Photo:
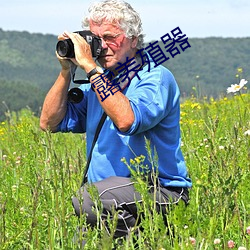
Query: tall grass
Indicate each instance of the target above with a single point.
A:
(40, 172)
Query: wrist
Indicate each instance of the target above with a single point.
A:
(65, 73)
(87, 64)
(94, 72)
(89, 67)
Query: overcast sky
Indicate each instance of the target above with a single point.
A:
(196, 18)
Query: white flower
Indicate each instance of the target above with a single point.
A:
(192, 240)
(242, 248)
(237, 87)
(246, 133)
(22, 210)
(217, 241)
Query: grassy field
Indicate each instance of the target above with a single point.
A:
(40, 172)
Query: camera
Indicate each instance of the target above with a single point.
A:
(65, 48)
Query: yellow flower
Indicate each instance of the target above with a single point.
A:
(240, 70)
(138, 160)
(132, 162)
(195, 105)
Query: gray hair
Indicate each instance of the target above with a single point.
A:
(120, 13)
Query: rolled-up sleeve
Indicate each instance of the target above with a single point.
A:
(151, 100)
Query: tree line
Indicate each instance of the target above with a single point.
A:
(28, 67)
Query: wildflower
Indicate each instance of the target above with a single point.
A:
(132, 162)
(221, 147)
(22, 210)
(237, 87)
(195, 106)
(137, 159)
(248, 230)
(45, 216)
(14, 188)
(247, 133)
(198, 182)
(242, 248)
(216, 241)
(240, 70)
(192, 240)
(230, 244)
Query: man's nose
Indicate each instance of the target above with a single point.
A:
(104, 44)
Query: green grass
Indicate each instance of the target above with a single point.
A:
(40, 172)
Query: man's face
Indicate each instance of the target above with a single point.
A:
(116, 47)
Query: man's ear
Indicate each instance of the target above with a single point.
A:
(134, 42)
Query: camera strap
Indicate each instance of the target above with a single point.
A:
(97, 132)
(103, 118)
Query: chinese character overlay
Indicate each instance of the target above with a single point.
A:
(156, 53)
(99, 84)
(127, 67)
(144, 58)
(174, 42)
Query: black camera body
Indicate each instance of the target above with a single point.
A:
(65, 48)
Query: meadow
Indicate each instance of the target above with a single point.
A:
(40, 172)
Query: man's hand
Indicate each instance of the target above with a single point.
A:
(66, 63)
(83, 54)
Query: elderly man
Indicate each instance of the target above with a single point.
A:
(140, 104)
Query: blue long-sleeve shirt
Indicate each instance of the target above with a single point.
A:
(155, 103)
